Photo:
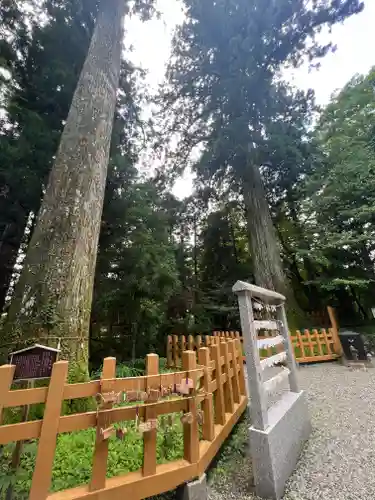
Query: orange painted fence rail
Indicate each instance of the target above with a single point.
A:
(177, 343)
(310, 346)
(219, 389)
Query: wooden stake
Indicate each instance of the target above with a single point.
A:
(235, 378)
(99, 468)
(208, 429)
(47, 441)
(191, 433)
(337, 347)
(318, 343)
(301, 343)
(306, 333)
(198, 342)
(219, 396)
(175, 350)
(183, 344)
(6, 379)
(240, 361)
(190, 343)
(150, 437)
(169, 352)
(228, 389)
(327, 341)
(17, 452)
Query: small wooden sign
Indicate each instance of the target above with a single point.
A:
(34, 362)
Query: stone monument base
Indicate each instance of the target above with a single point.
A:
(275, 451)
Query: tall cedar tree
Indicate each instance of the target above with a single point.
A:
(54, 294)
(222, 89)
(44, 70)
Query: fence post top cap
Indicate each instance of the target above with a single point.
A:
(256, 291)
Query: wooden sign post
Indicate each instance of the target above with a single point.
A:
(32, 363)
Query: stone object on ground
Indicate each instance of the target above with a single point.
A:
(276, 450)
(278, 433)
(193, 490)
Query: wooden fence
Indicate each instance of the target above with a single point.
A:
(310, 346)
(218, 388)
(177, 343)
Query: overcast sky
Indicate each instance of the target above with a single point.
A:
(355, 54)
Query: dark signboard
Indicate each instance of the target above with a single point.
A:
(33, 362)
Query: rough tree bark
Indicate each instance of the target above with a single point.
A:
(263, 242)
(10, 241)
(53, 297)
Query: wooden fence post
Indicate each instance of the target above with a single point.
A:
(316, 334)
(150, 437)
(190, 346)
(175, 350)
(330, 348)
(219, 397)
(182, 343)
(198, 342)
(306, 333)
(235, 379)
(208, 429)
(41, 481)
(241, 378)
(6, 379)
(169, 352)
(99, 468)
(335, 331)
(191, 431)
(301, 344)
(228, 388)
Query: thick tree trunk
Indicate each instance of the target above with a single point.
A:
(264, 245)
(263, 242)
(53, 298)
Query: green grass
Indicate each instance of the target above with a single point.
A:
(233, 456)
(74, 452)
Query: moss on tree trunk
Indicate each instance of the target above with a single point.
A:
(52, 301)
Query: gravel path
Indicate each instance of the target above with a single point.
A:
(338, 462)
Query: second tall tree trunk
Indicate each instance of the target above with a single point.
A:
(264, 244)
